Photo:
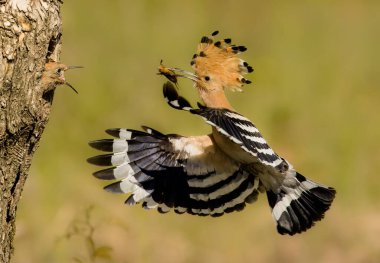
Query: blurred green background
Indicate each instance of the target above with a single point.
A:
(315, 96)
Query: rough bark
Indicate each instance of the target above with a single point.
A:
(30, 32)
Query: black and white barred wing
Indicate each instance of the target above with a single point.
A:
(241, 131)
(234, 126)
(172, 172)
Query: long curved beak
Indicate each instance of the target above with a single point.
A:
(73, 67)
(185, 74)
(71, 86)
(68, 84)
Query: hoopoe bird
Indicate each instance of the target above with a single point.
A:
(212, 174)
(54, 76)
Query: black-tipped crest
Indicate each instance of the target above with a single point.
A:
(204, 40)
(220, 61)
(215, 33)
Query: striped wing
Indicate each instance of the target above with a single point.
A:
(186, 174)
(240, 130)
(234, 126)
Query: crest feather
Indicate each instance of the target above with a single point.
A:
(220, 59)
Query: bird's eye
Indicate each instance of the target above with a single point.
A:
(207, 78)
(58, 71)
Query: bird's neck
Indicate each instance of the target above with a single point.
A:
(215, 99)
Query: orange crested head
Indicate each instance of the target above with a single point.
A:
(217, 65)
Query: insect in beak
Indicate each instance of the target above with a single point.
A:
(172, 73)
(168, 73)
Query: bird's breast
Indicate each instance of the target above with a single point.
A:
(231, 148)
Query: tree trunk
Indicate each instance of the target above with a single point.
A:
(30, 32)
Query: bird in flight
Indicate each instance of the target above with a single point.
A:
(213, 174)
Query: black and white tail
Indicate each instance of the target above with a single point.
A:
(297, 206)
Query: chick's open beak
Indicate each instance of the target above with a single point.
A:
(73, 67)
(71, 86)
(68, 84)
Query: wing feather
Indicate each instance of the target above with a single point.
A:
(172, 172)
(234, 126)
